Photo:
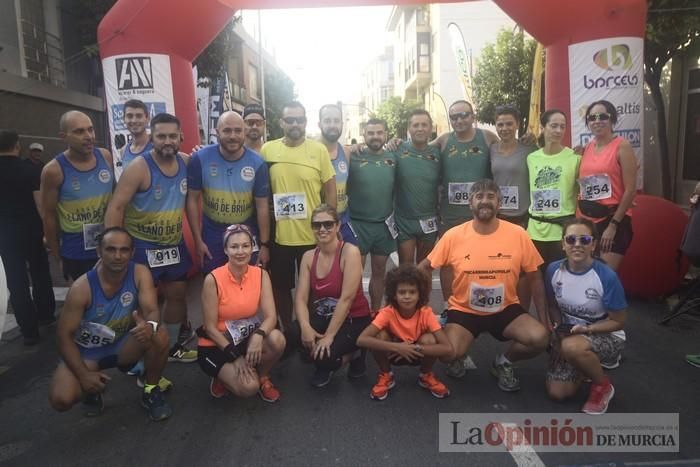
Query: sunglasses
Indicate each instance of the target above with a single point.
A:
(328, 225)
(599, 117)
(253, 122)
(584, 240)
(293, 120)
(457, 116)
(237, 228)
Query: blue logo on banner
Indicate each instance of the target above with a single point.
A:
(154, 108)
(633, 136)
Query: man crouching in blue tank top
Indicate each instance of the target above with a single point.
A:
(109, 319)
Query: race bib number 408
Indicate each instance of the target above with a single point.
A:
(290, 206)
(488, 299)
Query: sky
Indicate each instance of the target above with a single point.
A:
(323, 50)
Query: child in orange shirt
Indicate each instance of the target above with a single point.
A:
(406, 332)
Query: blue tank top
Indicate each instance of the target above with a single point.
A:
(115, 312)
(129, 156)
(340, 164)
(82, 202)
(155, 215)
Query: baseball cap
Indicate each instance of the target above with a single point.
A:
(253, 109)
(36, 146)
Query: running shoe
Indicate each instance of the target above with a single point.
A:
(507, 381)
(612, 365)
(164, 384)
(154, 402)
(321, 377)
(456, 368)
(93, 405)
(268, 392)
(358, 365)
(186, 334)
(598, 399)
(432, 384)
(385, 382)
(217, 389)
(180, 354)
(693, 359)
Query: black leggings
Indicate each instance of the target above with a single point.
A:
(343, 344)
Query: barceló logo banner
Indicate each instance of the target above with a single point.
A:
(610, 69)
(557, 432)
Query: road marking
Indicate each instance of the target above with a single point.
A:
(523, 454)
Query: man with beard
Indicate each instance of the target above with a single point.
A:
(228, 184)
(110, 319)
(254, 119)
(487, 255)
(149, 201)
(75, 189)
(136, 121)
(417, 179)
(371, 203)
(330, 122)
(300, 172)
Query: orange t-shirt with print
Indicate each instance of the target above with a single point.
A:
(407, 329)
(486, 267)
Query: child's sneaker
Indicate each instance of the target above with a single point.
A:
(385, 381)
(432, 384)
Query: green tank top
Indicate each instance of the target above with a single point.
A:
(461, 165)
(370, 186)
(417, 178)
(552, 191)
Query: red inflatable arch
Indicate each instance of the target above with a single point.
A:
(139, 39)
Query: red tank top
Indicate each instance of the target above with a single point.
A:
(600, 175)
(331, 285)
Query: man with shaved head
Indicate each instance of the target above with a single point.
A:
(231, 184)
(75, 189)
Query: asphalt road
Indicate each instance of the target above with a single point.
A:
(339, 424)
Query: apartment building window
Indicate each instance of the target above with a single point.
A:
(423, 52)
(42, 50)
(253, 81)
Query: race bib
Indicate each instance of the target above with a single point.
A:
(488, 299)
(595, 187)
(290, 206)
(163, 257)
(91, 335)
(241, 329)
(391, 225)
(428, 225)
(509, 198)
(90, 233)
(324, 307)
(546, 201)
(458, 193)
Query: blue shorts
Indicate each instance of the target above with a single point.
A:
(168, 273)
(108, 355)
(348, 233)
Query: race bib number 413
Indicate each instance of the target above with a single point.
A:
(290, 206)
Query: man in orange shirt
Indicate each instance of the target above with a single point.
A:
(487, 256)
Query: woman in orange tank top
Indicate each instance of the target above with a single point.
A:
(608, 182)
(239, 346)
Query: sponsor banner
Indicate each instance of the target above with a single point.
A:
(557, 432)
(610, 69)
(136, 76)
(216, 107)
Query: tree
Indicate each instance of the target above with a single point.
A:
(503, 76)
(279, 90)
(672, 26)
(395, 113)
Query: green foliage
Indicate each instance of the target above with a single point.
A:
(504, 74)
(395, 112)
(279, 90)
(211, 62)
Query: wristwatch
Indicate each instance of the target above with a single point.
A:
(155, 326)
(418, 348)
(615, 222)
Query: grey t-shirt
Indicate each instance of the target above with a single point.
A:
(511, 174)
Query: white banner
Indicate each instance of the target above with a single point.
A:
(140, 76)
(610, 69)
